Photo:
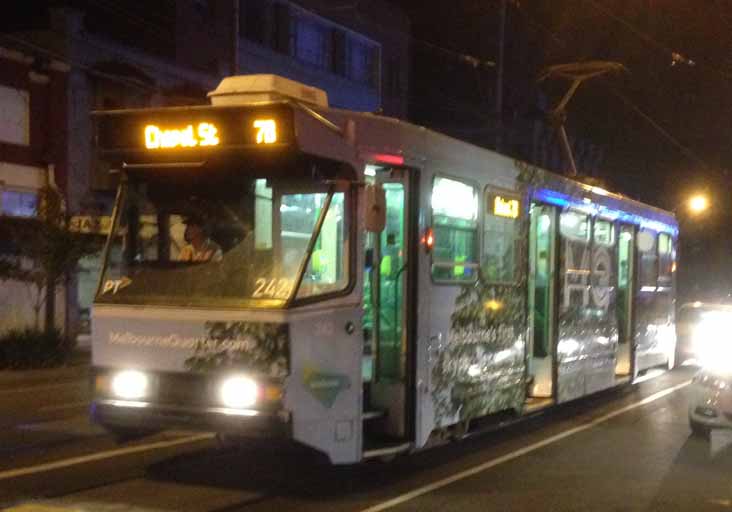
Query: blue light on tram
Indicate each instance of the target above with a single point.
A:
(581, 204)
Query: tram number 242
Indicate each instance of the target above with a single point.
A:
(272, 288)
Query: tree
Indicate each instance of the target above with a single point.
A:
(45, 252)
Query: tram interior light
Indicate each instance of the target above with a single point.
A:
(239, 392)
(130, 385)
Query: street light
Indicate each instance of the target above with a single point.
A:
(698, 204)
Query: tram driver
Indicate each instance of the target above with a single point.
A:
(199, 247)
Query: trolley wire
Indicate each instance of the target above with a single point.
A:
(648, 118)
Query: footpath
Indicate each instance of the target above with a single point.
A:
(77, 367)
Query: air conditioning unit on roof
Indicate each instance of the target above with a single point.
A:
(250, 89)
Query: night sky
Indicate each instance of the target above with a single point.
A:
(679, 59)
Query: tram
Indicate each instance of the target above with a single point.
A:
(280, 269)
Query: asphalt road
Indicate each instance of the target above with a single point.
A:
(628, 450)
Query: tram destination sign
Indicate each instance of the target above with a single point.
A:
(186, 130)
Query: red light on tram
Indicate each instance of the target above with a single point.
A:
(386, 158)
(428, 239)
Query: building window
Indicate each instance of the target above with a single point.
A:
(363, 62)
(253, 20)
(14, 116)
(339, 51)
(392, 79)
(281, 32)
(455, 225)
(500, 237)
(18, 203)
(312, 42)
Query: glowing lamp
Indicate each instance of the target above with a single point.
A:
(205, 134)
(698, 204)
(239, 392)
(130, 385)
(504, 207)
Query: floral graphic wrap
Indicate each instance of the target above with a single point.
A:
(260, 348)
(481, 369)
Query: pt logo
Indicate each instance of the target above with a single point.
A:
(115, 285)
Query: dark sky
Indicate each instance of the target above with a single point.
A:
(691, 105)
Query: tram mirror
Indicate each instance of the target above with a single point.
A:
(375, 220)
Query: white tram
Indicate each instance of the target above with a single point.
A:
(358, 284)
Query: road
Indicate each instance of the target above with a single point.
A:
(619, 451)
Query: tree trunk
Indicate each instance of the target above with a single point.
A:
(50, 316)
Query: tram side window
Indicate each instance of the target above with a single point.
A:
(574, 228)
(603, 267)
(327, 269)
(604, 233)
(262, 215)
(500, 238)
(648, 268)
(455, 225)
(666, 257)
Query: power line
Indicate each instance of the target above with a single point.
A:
(685, 150)
(676, 57)
(688, 152)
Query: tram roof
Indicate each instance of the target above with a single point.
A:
(418, 144)
(377, 137)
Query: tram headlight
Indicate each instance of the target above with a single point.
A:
(130, 385)
(239, 392)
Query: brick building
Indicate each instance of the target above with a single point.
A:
(33, 152)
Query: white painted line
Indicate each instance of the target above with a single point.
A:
(41, 388)
(519, 453)
(75, 461)
(70, 405)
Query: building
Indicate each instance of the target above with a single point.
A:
(33, 150)
(84, 55)
(357, 52)
(473, 96)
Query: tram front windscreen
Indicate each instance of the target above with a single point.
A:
(231, 239)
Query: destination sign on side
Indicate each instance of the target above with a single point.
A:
(504, 206)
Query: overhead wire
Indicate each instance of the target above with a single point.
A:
(665, 133)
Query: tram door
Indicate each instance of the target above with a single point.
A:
(624, 302)
(386, 310)
(542, 273)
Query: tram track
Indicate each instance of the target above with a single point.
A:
(267, 482)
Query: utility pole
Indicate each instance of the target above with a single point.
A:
(499, 74)
(235, 37)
